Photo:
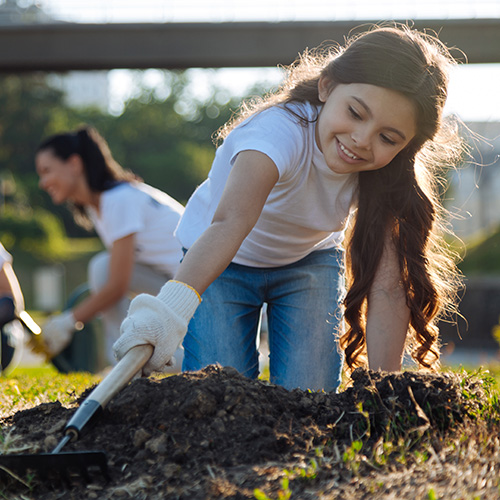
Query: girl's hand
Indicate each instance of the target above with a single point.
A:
(161, 321)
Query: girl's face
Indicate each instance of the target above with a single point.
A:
(59, 178)
(361, 126)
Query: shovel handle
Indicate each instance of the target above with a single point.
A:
(121, 374)
(112, 384)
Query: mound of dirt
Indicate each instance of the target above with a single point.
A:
(217, 434)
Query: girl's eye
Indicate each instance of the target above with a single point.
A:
(388, 140)
(354, 113)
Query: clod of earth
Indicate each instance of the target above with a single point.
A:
(217, 434)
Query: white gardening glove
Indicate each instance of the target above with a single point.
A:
(161, 321)
(57, 332)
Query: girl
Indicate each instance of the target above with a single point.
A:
(135, 222)
(351, 136)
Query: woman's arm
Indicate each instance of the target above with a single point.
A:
(251, 180)
(120, 272)
(9, 285)
(388, 315)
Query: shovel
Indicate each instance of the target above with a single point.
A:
(92, 406)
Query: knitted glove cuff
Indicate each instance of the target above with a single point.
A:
(180, 298)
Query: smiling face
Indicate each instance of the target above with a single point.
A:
(362, 127)
(59, 178)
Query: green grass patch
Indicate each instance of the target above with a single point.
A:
(31, 386)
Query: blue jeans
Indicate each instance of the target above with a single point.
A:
(305, 317)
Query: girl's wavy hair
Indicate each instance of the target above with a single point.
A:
(403, 199)
(102, 171)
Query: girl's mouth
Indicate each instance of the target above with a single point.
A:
(347, 152)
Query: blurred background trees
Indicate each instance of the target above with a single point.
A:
(163, 134)
(165, 139)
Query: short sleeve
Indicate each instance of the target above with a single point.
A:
(275, 132)
(120, 216)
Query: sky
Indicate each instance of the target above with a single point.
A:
(473, 93)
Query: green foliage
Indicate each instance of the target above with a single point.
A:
(305, 473)
(164, 136)
(352, 456)
(431, 495)
(485, 404)
(33, 231)
(27, 103)
(482, 255)
(169, 150)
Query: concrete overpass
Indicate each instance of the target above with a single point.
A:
(68, 46)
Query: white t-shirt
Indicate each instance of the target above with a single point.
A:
(147, 212)
(4, 256)
(307, 209)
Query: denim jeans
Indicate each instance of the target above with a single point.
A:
(305, 317)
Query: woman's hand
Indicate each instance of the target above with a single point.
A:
(58, 331)
(161, 321)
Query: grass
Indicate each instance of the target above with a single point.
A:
(31, 386)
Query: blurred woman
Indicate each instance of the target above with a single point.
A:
(134, 221)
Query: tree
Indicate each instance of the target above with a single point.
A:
(164, 134)
(170, 149)
(31, 109)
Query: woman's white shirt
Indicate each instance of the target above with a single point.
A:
(147, 212)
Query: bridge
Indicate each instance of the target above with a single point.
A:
(74, 46)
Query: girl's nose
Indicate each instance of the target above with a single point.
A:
(362, 138)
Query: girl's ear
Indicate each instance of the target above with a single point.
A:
(76, 163)
(325, 86)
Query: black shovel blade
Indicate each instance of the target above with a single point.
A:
(59, 463)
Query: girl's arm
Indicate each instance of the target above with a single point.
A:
(388, 315)
(162, 321)
(120, 271)
(251, 179)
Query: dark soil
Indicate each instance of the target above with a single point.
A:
(216, 434)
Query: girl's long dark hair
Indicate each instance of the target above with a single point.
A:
(402, 199)
(102, 171)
